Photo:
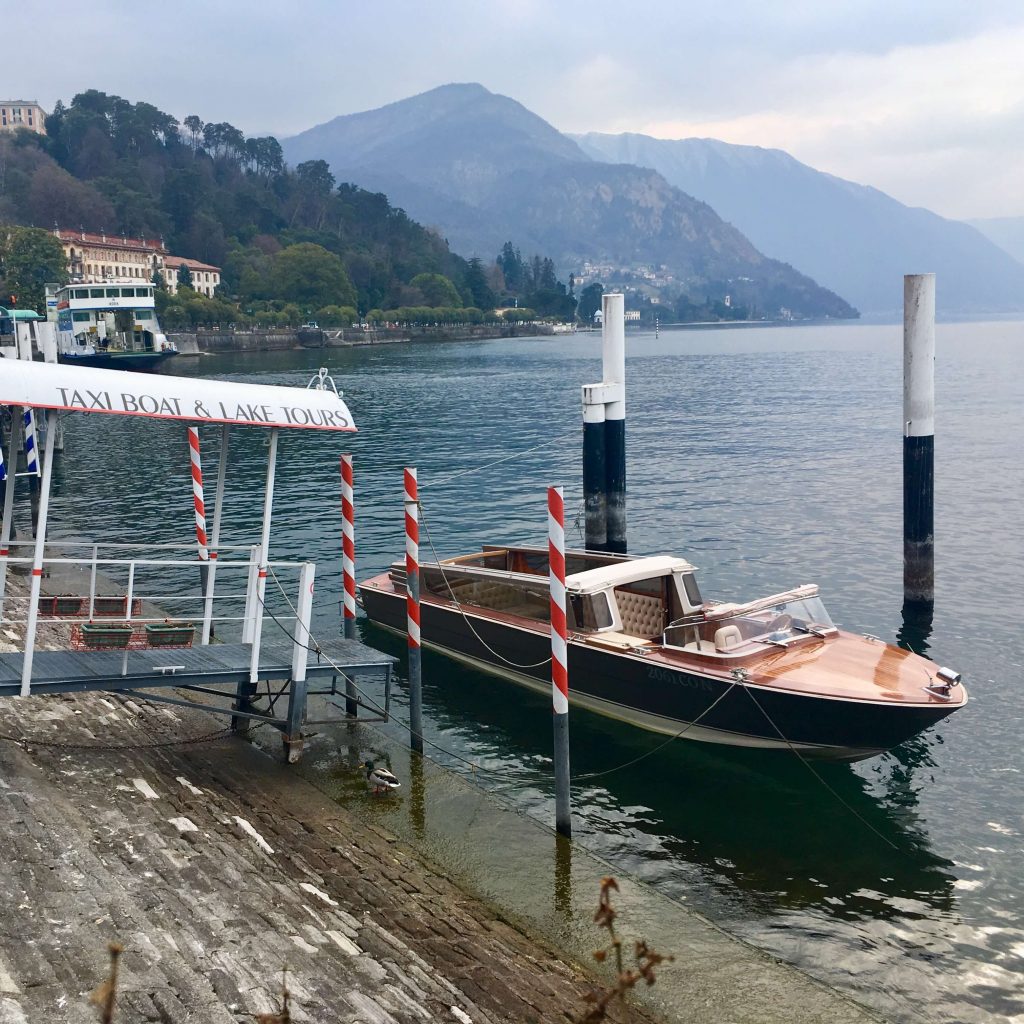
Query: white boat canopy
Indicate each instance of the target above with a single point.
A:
(159, 396)
(593, 581)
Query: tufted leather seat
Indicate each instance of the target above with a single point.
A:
(641, 614)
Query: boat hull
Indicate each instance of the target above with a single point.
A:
(664, 698)
(144, 362)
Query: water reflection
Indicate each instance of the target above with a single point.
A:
(916, 628)
(779, 832)
(563, 877)
(417, 797)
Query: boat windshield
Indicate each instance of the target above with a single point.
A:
(809, 611)
(735, 627)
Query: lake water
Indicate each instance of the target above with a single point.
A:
(769, 458)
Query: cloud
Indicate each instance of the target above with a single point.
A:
(938, 121)
(921, 102)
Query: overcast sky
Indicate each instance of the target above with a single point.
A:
(924, 101)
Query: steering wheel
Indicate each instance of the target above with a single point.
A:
(782, 621)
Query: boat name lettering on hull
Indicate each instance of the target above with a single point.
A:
(665, 675)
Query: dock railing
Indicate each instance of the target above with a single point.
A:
(109, 599)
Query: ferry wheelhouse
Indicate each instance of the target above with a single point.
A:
(110, 325)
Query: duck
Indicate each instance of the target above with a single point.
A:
(380, 780)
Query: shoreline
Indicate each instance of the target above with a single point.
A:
(215, 864)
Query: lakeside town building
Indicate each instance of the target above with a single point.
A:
(15, 114)
(205, 278)
(95, 258)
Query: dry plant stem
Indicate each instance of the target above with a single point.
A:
(105, 994)
(646, 959)
(283, 1016)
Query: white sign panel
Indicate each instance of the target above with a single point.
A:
(194, 400)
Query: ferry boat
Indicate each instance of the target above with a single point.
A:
(311, 335)
(644, 647)
(111, 325)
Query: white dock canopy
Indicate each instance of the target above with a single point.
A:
(58, 388)
(159, 396)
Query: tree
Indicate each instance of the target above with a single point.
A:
(314, 183)
(511, 264)
(184, 276)
(437, 290)
(476, 281)
(29, 259)
(195, 127)
(590, 302)
(311, 277)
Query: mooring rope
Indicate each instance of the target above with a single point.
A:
(455, 601)
(807, 764)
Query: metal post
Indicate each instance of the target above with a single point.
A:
(92, 580)
(259, 593)
(559, 658)
(613, 356)
(37, 557)
(348, 566)
(249, 616)
(412, 607)
(218, 509)
(261, 579)
(919, 437)
(129, 599)
(300, 657)
(7, 526)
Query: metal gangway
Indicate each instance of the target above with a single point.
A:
(133, 624)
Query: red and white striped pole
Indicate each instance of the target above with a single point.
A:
(412, 606)
(200, 506)
(348, 565)
(197, 492)
(559, 658)
(348, 546)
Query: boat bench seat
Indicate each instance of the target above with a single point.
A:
(641, 614)
(498, 597)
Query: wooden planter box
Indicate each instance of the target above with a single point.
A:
(106, 634)
(170, 634)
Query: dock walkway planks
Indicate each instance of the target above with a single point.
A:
(73, 671)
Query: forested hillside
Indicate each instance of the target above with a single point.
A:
(292, 242)
(487, 169)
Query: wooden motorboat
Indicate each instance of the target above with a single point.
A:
(644, 647)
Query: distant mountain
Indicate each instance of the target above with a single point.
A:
(852, 238)
(484, 169)
(1006, 232)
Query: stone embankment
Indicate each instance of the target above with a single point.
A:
(256, 340)
(216, 868)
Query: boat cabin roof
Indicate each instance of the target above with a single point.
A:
(593, 581)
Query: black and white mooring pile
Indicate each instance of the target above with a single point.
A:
(604, 437)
